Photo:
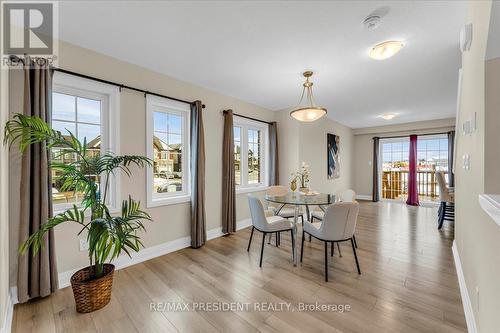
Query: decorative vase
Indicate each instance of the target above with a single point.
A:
(92, 294)
(293, 185)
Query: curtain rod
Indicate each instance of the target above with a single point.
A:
(250, 118)
(122, 86)
(407, 136)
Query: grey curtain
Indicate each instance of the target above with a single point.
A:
(37, 275)
(451, 157)
(198, 228)
(228, 182)
(274, 178)
(376, 150)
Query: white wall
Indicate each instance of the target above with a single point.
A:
(4, 199)
(363, 147)
(492, 124)
(170, 222)
(477, 237)
(4, 202)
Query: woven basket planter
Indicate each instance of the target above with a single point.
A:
(92, 294)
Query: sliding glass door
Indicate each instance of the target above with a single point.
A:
(432, 157)
(394, 170)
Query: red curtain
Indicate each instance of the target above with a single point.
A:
(412, 174)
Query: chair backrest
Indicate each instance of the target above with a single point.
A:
(340, 219)
(444, 193)
(257, 212)
(346, 195)
(277, 190)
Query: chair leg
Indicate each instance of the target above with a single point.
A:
(355, 255)
(441, 215)
(293, 245)
(354, 239)
(302, 218)
(250, 240)
(332, 249)
(262, 248)
(326, 261)
(277, 240)
(340, 252)
(302, 246)
(312, 220)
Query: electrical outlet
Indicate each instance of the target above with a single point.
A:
(84, 245)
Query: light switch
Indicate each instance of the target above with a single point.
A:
(466, 162)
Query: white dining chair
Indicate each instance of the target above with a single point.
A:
(338, 225)
(447, 198)
(266, 224)
(281, 210)
(341, 196)
(284, 211)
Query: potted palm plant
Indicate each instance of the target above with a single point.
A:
(108, 236)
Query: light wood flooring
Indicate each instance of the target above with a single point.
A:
(408, 284)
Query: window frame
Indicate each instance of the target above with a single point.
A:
(245, 125)
(109, 96)
(160, 104)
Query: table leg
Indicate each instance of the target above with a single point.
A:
(294, 231)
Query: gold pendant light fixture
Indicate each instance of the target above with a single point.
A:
(310, 111)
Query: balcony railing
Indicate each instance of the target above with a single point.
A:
(395, 185)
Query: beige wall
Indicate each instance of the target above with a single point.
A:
(307, 142)
(477, 237)
(313, 151)
(4, 201)
(170, 222)
(492, 124)
(363, 146)
(288, 137)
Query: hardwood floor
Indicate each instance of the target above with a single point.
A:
(408, 284)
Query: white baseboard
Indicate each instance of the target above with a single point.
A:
(469, 314)
(364, 197)
(7, 321)
(154, 251)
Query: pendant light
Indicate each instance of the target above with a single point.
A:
(309, 111)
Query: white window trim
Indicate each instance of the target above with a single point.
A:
(109, 96)
(245, 125)
(155, 103)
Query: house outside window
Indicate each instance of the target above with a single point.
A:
(168, 147)
(251, 146)
(88, 110)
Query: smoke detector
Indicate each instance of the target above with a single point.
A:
(372, 22)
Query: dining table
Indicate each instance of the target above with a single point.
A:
(298, 199)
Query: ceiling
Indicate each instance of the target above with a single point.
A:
(256, 51)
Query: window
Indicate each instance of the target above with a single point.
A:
(168, 147)
(432, 157)
(88, 110)
(250, 150)
(395, 163)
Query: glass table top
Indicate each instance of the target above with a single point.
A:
(293, 198)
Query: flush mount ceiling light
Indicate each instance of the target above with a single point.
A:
(386, 50)
(309, 111)
(388, 116)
